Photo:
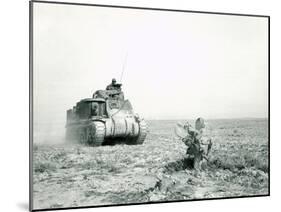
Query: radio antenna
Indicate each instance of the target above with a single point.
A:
(124, 66)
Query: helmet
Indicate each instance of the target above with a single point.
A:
(113, 80)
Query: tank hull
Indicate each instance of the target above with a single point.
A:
(107, 131)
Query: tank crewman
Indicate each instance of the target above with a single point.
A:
(194, 140)
(114, 86)
(115, 89)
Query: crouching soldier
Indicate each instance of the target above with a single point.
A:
(194, 142)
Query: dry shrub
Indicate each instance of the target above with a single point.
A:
(239, 161)
(45, 166)
(185, 163)
(257, 162)
(58, 155)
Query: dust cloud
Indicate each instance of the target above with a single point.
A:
(49, 132)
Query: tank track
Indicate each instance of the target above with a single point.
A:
(95, 134)
(142, 133)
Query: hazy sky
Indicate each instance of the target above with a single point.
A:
(179, 65)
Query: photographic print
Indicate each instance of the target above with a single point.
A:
(141, 105)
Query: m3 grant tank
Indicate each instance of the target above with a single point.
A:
(106, 118)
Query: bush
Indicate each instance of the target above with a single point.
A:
(240, 161)
(256, 162)
(41, 167)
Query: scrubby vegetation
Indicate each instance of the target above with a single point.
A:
(71, 175)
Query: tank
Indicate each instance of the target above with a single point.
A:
(106, 118)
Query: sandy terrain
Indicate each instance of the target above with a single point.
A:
(67, 175)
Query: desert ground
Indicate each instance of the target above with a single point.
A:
(72, 175)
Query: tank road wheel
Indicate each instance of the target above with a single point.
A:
(96, 133)
(142, 133)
